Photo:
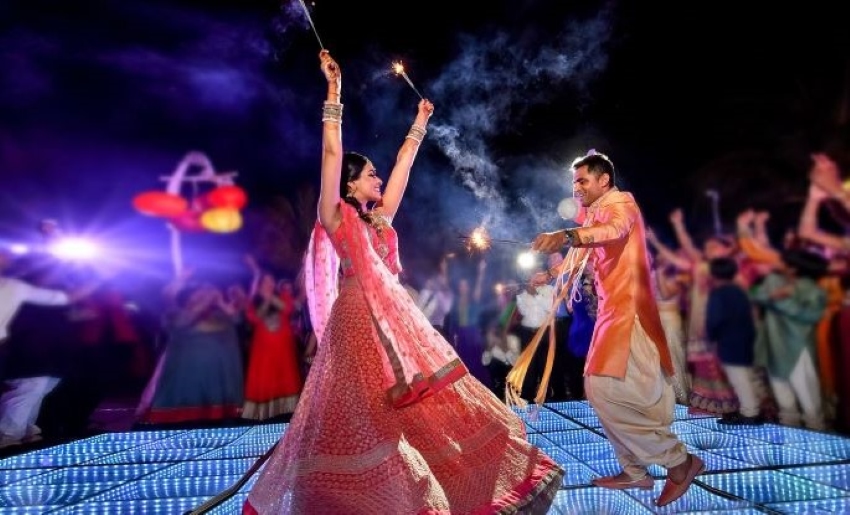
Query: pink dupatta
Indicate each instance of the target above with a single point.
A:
(416, 360)
(321, 272)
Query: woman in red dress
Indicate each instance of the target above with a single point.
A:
(273, 381)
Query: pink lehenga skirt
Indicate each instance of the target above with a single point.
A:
(710, 390)
(348, 451)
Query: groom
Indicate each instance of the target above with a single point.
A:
(628, 364)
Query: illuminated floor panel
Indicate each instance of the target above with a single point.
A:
(763, 469)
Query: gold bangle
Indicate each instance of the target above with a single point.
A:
(417, 133)
(332, 112)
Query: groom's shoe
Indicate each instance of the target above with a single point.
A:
(622, 481)
(673, 490)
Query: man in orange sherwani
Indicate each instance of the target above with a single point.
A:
(626, 376)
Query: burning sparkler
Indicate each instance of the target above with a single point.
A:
(479, 239)
(398, 68)
(309, 19)
(509, 288)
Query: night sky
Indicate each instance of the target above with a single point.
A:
(99, 99)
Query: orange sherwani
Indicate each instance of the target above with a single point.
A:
(628, 352)
(615, 233)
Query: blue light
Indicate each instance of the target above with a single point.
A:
(749, 469)
(770, 486)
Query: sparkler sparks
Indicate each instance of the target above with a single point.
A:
(398, 68)
(479, 240)
(501, 288)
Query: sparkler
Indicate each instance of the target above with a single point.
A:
(309, 19)
(479, 239)
(398, 68)
(501, 288)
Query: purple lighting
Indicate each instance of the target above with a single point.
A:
(74, 249)
(18, 249)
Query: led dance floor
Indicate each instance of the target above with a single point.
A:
(750, 469)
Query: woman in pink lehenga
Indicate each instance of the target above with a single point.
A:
(390, 421)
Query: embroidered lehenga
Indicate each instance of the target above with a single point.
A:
(710, 390)
(390, 421)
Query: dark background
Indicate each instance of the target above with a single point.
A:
(98, 99)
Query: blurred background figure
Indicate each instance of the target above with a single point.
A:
(273, 379)
(436, 298)
(200, 375)
(465, 324)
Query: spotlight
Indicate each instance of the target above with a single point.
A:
(74, 249)
(526, 260)
(18, 249)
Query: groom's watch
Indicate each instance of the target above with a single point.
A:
(569, 237)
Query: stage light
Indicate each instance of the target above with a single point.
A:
(526, 260)
(18, 249)
(74, 249)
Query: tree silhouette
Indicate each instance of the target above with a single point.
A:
(282, 229)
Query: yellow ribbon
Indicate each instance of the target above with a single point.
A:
(572, 267)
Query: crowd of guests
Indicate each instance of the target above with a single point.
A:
(65, 339)
(763, 334)
(230, 352)
(210, 353)
(756, 330)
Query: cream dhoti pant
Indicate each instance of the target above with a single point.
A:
(637, 410)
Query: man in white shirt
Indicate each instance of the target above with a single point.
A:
(436, 298)
(533, 304)
(14, 292)
(20, 403)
